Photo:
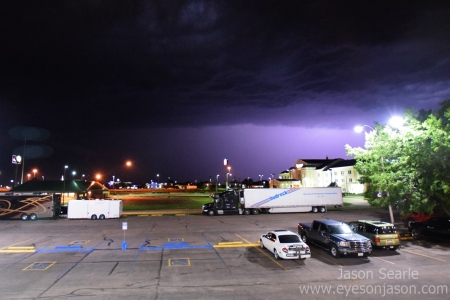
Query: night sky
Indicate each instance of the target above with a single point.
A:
(177, 86)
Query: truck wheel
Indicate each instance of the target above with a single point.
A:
(94, 217)
(314, 209)
(246, 211)
(101, 217)
(261, 244)
(255, 211)
(210, 213)
(415, 233)
(323, 209)
(33, 217)
(275, 254)
(334, 251)
(304, 238)
(24, 217)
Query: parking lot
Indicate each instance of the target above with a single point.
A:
(201, 257)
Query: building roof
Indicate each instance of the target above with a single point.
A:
(325, 164)
(52, 186)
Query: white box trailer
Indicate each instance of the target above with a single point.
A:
(94, 209)
(254, 201)
(290, 200)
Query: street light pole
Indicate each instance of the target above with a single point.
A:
(217, 181)
(64, 181)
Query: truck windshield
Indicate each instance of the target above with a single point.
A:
(289, 239)
(339, 229)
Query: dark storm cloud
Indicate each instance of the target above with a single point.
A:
(157, 60)
(87, 70)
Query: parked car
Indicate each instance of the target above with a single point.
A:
(438, 227)
(417, 217)
(285, 244)
(336, 236)
(382, 234)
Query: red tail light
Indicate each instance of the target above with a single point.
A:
(285, 250)
(377, 240)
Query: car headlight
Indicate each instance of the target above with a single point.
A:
(369, 243)
(344, 244)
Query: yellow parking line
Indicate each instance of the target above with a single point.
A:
(243, 239)
(383, 260)
(330, 261)
(18, 249)
(271, 258)
(424, 255)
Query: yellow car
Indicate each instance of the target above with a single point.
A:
(382, 234)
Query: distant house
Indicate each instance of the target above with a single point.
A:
(322, 173)
(70, 189)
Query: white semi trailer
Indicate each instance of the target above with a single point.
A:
(94, 209)
(254, 201)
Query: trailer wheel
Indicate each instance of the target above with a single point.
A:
(314, 209)
(255, 211)
(323, 209)
(101, 217)
(94, 217)
(33, 217)
(24, 217)
(246, 211)
(210, 212)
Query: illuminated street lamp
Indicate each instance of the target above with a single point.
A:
(217, 181)
(227, 180)
(73, 175)
(260, 178)
(28, 175)
(34, 173)
(226, 186)
(64, 181)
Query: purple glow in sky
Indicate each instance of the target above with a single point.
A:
(176, 86)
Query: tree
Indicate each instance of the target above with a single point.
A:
(408, 167)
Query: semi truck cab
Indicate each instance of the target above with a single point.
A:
(225, 203)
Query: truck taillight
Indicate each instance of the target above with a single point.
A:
(377, 240)
(307, 248)
(285, 250)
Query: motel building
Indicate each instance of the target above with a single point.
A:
(321, 173)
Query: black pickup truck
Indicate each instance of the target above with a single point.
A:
(435, 227)
(336, 236)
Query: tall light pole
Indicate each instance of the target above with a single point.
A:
(34, 173)
(229, 168)
(73, 175)
(260, 178)
(217, 181)
(157, 180)
(64, 181)
(227, 180)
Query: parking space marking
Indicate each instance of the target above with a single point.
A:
(39, 266)
(383, 260)
(332, 262)
(176, 239)
(179, 262)
(271, 258)
(79, 242)
(18, 249)
(424, 255)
